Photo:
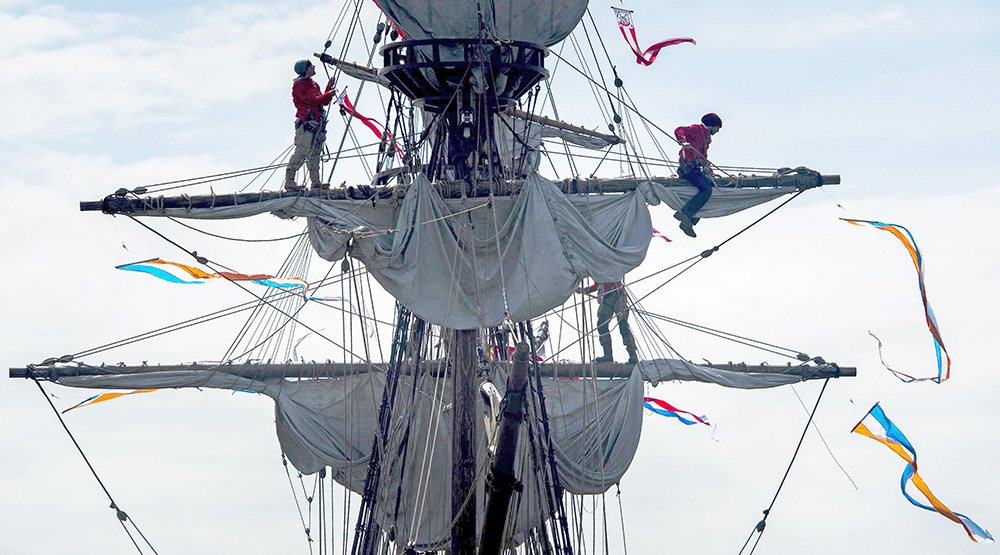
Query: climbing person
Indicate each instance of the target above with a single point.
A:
(695, 168)
(614, 302)
(310, 124)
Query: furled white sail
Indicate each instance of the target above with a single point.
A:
(474, 263)
(536, 21)
(595, 428)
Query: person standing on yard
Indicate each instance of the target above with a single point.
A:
(614, 302)
(310, 124)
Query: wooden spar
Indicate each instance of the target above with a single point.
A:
(307, 370)
(123, 202)
(502, 481)
(357, 71)
(371, 74)
(463, 442)
(520, 114)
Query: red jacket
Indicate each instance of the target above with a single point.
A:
(308, 99)
(605, 287)
(699, 138)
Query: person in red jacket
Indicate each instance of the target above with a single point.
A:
(695, 168)
(614, 303)
(310, 124)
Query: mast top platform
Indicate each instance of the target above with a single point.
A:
(432, 72)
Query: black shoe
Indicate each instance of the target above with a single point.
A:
(605, 358)
(633, 359)
(688, 229)
(682, 217)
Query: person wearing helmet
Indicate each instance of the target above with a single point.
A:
(310, 124)
(695, 168)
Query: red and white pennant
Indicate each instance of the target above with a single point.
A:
(644, 57)
(371, 123)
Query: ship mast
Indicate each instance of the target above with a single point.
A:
(463, 442)
(465, 93)
(466, 85)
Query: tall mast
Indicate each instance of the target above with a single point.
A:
(465, 83)
(463, 442)
(501, 480)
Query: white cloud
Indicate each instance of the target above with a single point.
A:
(799, 278)
(83, 81)
(808, 30)
(843, 24)
(52, 26)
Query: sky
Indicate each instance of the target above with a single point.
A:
(896, 98)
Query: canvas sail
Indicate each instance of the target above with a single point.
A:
(513, 257)
(595, 428)
(536, 21)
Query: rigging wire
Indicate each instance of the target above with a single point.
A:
(640, 279)
(759, 529)
(631, 107)
(694, 260)
(249, 305)
(120, 515)
(233, 310)
(355, 24)
(281, 156)
(774, 349)
(621, 512)
(211, 178)
(298, 506)
(708, 252)
(627, 158)
(555, 112)
(608, 154)
(238, 239)
(823, 439)
(296, 264)
(206, 262)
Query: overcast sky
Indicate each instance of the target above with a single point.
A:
(897, 98)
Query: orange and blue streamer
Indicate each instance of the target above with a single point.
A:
(943, 362)
(664, 408)
(877, 426)
(180, 273)
(107, 396)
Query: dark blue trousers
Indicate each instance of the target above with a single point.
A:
(695, 175)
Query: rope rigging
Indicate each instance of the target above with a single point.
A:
(587, 331)
(120, 515)
(262, 299)
(269, 331)
(759, 528)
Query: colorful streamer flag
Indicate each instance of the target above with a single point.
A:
(661, 236)
(371, 123)
(943, 363)
(664, 408)
(643, 57)
(180, 273)
(101, 397)
(877, 426)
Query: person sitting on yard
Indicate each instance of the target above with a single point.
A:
(695, 168)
